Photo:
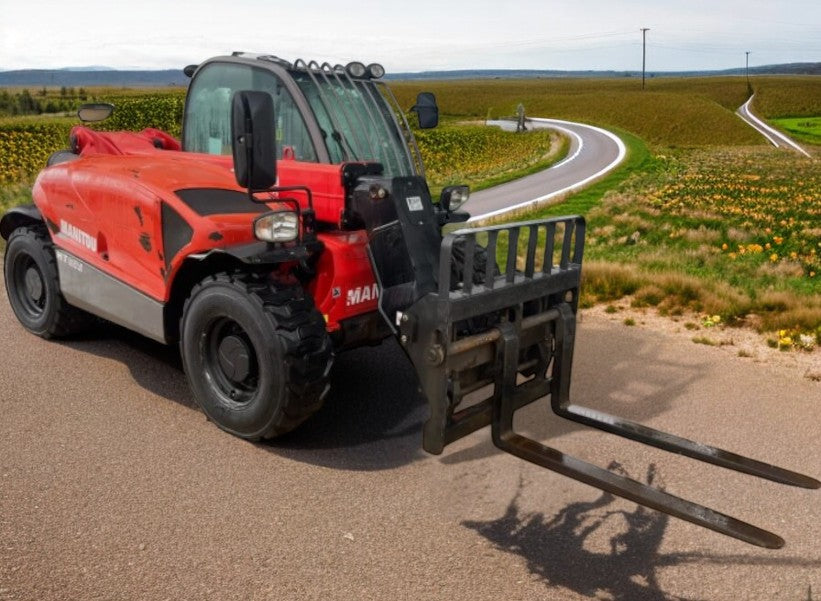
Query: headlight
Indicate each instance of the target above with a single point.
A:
(279, 226)
(454, 197)
(375, 70)
(356, 69)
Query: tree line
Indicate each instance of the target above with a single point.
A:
(13, 104)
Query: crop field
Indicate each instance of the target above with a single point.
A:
(704, 215)
(27, 141)
(481, 156)
(469, 154)
(671, 112)
(778, 97)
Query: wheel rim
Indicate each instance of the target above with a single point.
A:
(231, 361)
(29, 287)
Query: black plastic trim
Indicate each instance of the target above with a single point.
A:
(265, 253)
(176, 233)
(216, 201)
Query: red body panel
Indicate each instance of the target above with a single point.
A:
(344, 285)
(105, 208)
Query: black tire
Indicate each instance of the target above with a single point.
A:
(256, 354)
(33, 286)
(541, 353)
(457, 266)
(480, 323)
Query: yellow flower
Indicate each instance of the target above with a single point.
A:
(774, 257)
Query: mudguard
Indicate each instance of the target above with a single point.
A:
(18, 217)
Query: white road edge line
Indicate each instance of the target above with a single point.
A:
(569, 132)
(580, 142)
(763, 128)
(572, 188)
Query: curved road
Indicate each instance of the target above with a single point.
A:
(593, 153)
(775, 137)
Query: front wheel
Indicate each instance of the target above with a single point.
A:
(256, 354)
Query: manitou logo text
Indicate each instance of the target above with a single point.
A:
(362, 294)
(78, 235)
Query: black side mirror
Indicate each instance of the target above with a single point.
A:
(426, 110)
(97, 111)
(253, 140)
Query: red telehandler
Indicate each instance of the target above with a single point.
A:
(291, 222)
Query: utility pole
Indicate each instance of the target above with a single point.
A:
(644, 31)
(747, 73)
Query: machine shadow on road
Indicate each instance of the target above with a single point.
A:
(593, 547)
(371, 420)
(373, 416)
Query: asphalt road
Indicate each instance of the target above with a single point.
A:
(593, 152)
(773, 136)
(112, 486)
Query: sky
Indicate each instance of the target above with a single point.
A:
(416, 35)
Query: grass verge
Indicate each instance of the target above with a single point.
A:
(723, 232)
(803, 129)
(727, 233)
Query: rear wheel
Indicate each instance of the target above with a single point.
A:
(256, 354)
(33, 286)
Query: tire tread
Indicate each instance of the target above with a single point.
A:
(306, 345)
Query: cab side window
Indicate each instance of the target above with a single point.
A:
(207, 120)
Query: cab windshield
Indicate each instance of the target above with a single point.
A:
(359, 120)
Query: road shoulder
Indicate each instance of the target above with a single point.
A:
(743, 344)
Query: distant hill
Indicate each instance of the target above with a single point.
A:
(93, 77)
(785, 69)
(99, 76)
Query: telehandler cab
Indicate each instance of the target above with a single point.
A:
(292, 222)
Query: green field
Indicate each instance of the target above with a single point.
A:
(804, 129)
